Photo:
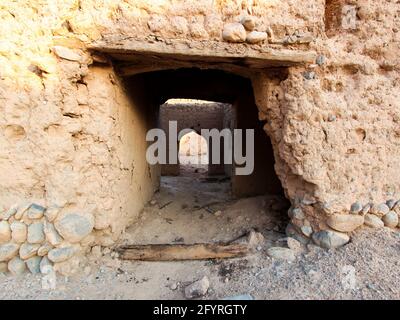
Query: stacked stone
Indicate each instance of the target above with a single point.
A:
(244, 31)
(372, 215)
(379, 215)
(300, 222)
(37, 239)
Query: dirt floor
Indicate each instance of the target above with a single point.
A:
(197, 208)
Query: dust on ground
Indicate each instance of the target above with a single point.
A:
(197, 208)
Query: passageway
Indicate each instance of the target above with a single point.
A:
(203, 202)
(193, 154)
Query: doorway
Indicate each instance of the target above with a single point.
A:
(216, 203)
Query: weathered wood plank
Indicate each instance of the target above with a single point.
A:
(202, 52)
(175, 252)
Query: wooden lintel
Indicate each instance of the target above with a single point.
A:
(203, 52)
(175, 252)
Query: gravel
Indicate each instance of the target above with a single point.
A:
(366, 268)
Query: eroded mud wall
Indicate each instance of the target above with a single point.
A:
(263, 179)
(333, 125)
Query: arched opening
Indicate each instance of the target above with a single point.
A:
(193, 154)
(196, 115)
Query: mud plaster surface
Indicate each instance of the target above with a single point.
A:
(335, 137)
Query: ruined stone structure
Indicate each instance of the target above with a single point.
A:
(81, 83)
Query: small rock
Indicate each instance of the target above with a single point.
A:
(289, 39)
(61, 254)
(296, 213)
(294, 244)
(345, 222)
(373, 221)
(35, 211)
(197, 289)
(8, 251)
(255, 239)
(51, 214)
(33, 264)
(356, 208)
(198, 31)
(256, 37)
(3, 267)
(16, 266)
(18, 231)
(51, 233)
(5, 232)
(292, 232)
(45, 265)
(96, 252)
(179, 25)
(330, 239)
(391, 219)
(321, 59)
(249, 23)
(371, 286)
(157, 23)
(306, 230)
(380, 210)
(9, 213)
(281, 253)
(43, 250)
(396, 207)
(309, 75)
(391, 203)
(308, 201)
(73, 227)
(331, 118)
(35, 233)
(218, 213)
(66, 53)
(173, 286)
(234, 32)
(153, 202)
(28, 250)
(366, 209)
(21, 210)
(305, 39)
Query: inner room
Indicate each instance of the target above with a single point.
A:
(192, 117)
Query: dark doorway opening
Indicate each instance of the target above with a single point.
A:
(231, 203)
(219, 87)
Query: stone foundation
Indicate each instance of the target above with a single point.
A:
(33, 237)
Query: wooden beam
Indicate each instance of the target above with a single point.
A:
(215, 52)
(131, 68)
(175, 252)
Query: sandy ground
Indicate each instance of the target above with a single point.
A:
(186, 210)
